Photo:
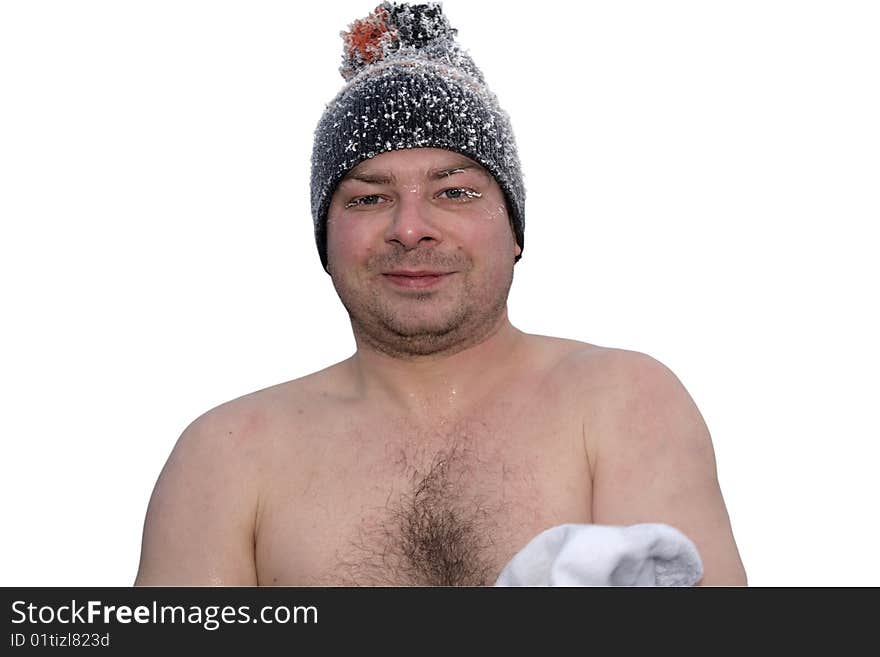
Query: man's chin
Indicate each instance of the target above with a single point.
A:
(418, 343)
(410, 335)
(421, 330)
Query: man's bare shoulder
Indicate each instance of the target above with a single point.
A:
(591, 366)
(618, 383)
(205, 508)
(600, 384)
(256, 415)
(609, 384)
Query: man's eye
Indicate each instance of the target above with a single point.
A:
(372, 199)
(457, 193)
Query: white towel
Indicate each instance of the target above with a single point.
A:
(648, 554)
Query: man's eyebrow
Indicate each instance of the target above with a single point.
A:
(386, 178)
(378, 178)
(436, 174)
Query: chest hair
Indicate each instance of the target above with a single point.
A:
(439, 528)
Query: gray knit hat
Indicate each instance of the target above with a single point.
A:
(410, 85)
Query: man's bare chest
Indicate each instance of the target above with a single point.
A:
(392, 503)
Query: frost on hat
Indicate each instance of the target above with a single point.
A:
(410, 85)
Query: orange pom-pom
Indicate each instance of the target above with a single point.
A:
(367, 37)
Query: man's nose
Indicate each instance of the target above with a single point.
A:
(412, 221)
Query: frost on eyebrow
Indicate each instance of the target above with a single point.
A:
(387, 177)
(437, 174)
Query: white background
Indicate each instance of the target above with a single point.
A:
(702, 186)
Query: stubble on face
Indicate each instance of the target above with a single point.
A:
(462, 312)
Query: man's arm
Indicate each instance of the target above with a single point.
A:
(653, 461)
(199, 528)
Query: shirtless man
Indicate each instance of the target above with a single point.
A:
(450, 438)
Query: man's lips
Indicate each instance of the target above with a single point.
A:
(416, 279)
(416, 272)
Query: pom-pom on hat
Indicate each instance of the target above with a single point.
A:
(410, 85)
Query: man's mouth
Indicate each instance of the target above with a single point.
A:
(416, 279)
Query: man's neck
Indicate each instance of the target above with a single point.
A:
(444, 384)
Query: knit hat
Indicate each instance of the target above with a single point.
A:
(410, 85)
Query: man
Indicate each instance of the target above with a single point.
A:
(450, 438)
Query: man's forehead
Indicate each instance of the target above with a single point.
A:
(431, 163)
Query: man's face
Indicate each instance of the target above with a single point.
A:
(420, 250)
